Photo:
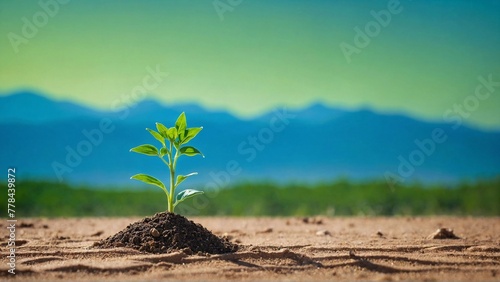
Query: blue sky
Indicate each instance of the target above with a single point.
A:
(424, 60)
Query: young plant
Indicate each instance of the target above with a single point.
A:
(173, 141)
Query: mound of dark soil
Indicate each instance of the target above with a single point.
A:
(166, 232)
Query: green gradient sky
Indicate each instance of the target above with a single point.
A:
(262, 54)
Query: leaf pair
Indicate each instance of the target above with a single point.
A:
(177, 135)
(150, 150)
(182, 196)
(185, 134)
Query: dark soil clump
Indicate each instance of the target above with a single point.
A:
(167, 232)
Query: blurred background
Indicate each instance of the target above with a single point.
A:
(308, 107)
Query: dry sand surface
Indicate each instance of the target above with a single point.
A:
(291, 249)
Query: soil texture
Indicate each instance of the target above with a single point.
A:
(270, 249)
(168, 232)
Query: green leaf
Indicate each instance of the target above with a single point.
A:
(172, 134)
(191, 133)
(162, 129)
(149, 180)
(190, 151)
(145, 149)
(186, 194)
(164, 151)
(181, 178)
(157, 136)
(181, 125)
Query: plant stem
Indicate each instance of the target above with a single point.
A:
(172, 189)
(172, 180)
(171, 167)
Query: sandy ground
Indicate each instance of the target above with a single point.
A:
(276, 249)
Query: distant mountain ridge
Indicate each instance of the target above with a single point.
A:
(61, 140)
(30, 107)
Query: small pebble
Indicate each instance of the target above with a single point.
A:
(155, 232)
(323, 233)
(98, 233)
(443, 233)
(227, 236)
(268, 230)
(312, 220)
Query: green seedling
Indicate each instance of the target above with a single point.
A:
(173, 141)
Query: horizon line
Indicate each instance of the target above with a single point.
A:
(363, 107)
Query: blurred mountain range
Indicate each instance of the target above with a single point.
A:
(54, 140)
